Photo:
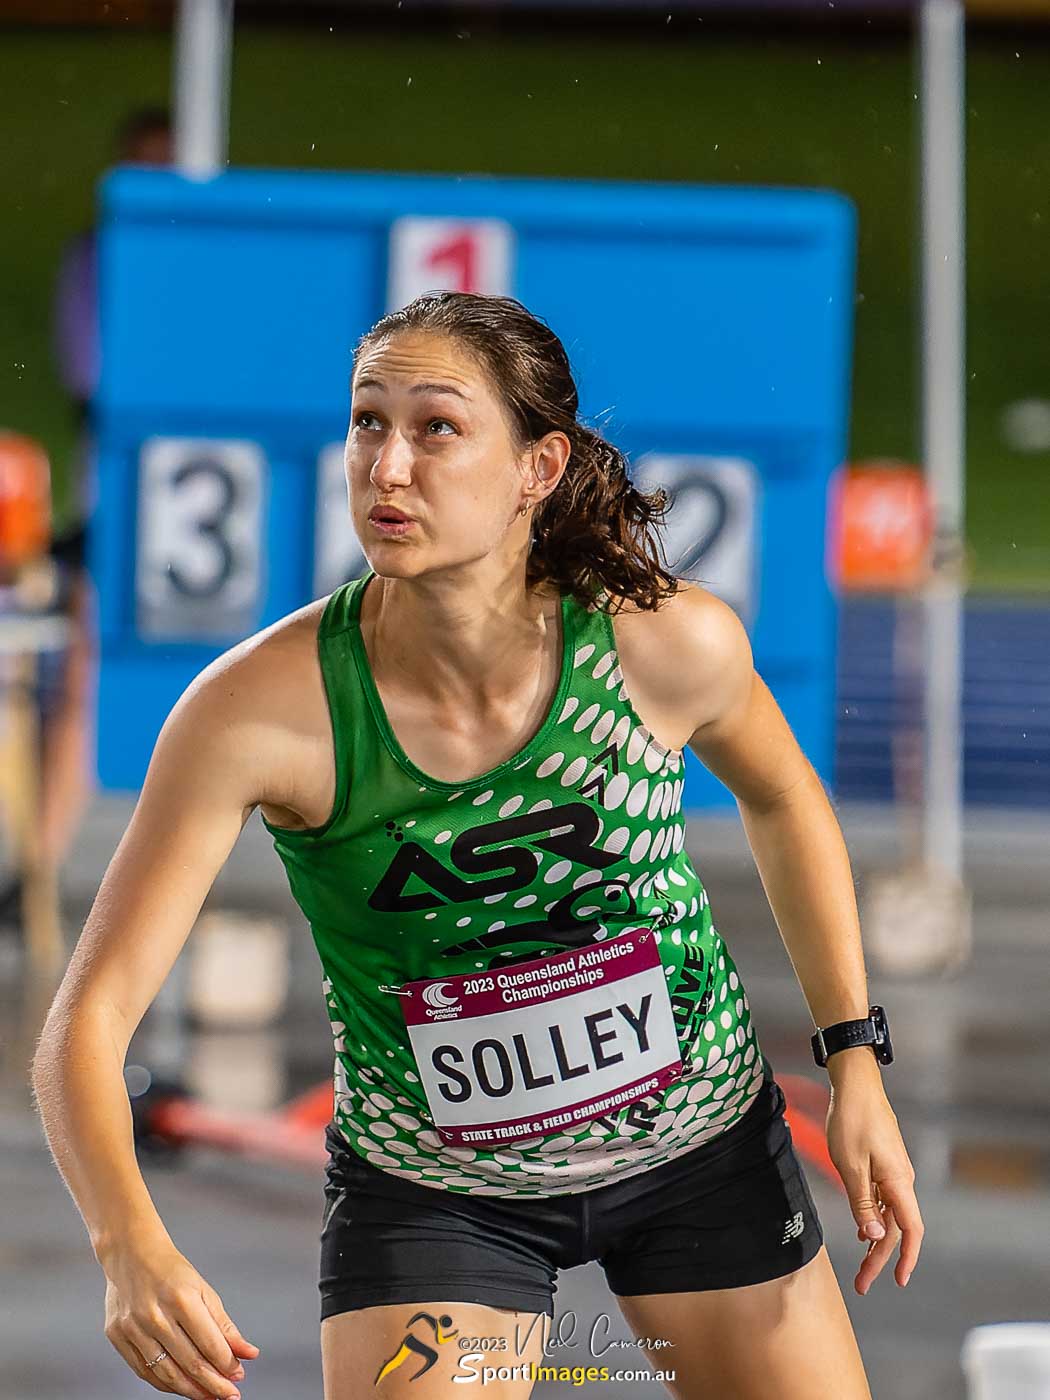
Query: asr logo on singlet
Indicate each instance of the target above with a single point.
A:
(569, 832)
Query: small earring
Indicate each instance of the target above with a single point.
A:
(525, 508)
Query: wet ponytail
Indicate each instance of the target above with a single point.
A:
(596, 533)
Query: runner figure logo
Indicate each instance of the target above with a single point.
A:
(412, 1346)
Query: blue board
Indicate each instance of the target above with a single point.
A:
(710, 330)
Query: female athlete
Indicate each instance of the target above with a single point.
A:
(470, 761)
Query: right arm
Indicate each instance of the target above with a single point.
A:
(203, 782)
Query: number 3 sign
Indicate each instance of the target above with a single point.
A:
(455, 255)
(199, 569)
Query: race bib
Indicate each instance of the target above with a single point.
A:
(543, 1046)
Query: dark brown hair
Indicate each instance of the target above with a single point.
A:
(595, 531)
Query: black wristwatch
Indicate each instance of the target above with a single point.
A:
(873, 1030)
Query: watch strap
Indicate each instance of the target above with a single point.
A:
(845, 1035)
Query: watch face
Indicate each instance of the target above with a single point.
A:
(884, 1050)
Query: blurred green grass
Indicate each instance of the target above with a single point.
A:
(833, 112)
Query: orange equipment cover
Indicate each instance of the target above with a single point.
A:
(25, 501)
(880, 527)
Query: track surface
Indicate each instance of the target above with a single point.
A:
(970, 1077)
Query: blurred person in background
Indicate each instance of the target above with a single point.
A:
(65, 687)
(145, 138)
(450, 738)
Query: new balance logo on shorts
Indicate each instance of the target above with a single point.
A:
(793, 1227)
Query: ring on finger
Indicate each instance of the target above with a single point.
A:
(150, 1364)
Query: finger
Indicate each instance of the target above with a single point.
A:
(864, 1202)
(901, 1196)
(183, 1350)
(168, 1371)
(872, 1264)
(864, 1232)
(185, 1347)
(878, 1252)
(179, 1383)
(132, 1355)
(235, 1340)
(205, 1330)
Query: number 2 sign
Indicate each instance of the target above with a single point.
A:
(712, 522)
(458, 255)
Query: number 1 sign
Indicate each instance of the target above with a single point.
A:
(454, 255)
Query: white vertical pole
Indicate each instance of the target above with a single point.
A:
(943, 60)
(203, 41)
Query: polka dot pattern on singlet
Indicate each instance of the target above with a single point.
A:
(440, 902)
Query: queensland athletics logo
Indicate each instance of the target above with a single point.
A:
(440, 1006)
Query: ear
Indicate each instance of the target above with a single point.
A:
(549, 458)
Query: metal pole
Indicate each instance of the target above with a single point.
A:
(943, 58)
(203, 41)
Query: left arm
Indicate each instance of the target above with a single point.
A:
(743, 738)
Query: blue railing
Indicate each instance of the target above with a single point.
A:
(1006, 702)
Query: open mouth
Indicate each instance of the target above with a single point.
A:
(390, 520)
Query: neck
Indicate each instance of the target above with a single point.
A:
(470, 645)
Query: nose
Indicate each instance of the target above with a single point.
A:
(393, 462)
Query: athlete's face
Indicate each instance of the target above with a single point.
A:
(430, 438)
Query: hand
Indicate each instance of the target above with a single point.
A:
(156, 1301)
(865, 1144)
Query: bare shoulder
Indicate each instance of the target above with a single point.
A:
(685, 662)
(260, 676)
(261, 706)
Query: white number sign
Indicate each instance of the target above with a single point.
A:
(338, 555)
(710, 534)
(458, 255)
(198, 570)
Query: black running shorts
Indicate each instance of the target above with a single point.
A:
(734, 1211)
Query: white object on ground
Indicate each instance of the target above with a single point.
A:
(1007, 1361)
(238, 970)
(916, 922)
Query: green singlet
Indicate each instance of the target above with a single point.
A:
(577, 838)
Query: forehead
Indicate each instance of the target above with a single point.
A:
(411, 356)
